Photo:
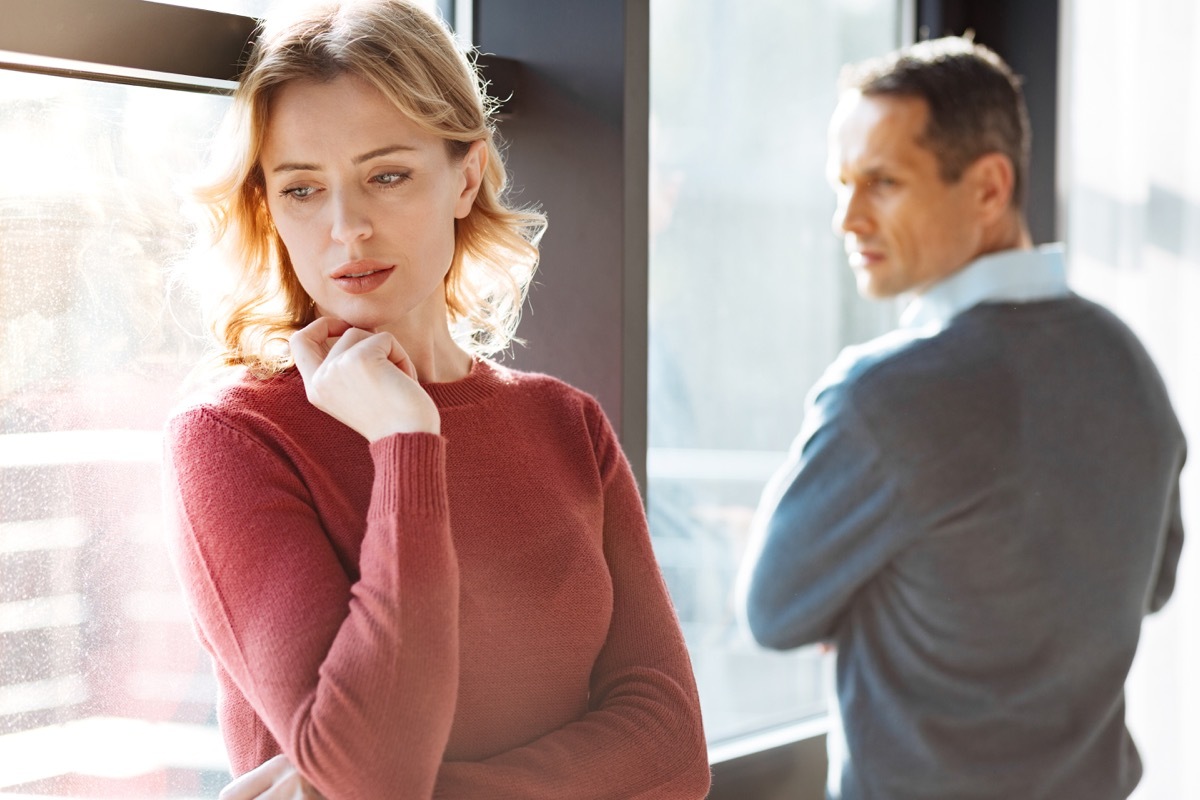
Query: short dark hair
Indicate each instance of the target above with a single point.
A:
(975, 102)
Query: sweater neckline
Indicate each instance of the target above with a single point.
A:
(484, 379)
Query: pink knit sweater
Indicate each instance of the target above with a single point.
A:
(472, 615)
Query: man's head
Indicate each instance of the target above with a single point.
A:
(929, 151)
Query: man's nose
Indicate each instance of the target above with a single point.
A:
(851, 214)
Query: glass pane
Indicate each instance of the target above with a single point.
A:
(248, 8)
(1131, 120)
(750, 299)
(458, 11)
(104, 691)
(260, 8)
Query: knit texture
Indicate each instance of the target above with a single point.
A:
(475, 614)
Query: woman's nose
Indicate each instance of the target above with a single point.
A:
(351, 222)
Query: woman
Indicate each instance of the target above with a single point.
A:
(418, 572)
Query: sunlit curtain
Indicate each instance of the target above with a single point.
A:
(1132, 154)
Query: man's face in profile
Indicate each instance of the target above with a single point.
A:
(904, 227)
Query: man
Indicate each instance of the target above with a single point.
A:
(982, 506)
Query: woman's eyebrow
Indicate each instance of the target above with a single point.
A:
(293, 166)
(383, 151)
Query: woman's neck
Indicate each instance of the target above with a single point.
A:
(433, 351)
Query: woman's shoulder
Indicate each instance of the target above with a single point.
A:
(545, 388)
(556, 402)
(238, 400)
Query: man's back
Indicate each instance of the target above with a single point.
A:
(978, 520)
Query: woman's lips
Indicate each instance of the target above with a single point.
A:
(360, 277)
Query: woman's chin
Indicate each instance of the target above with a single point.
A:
(355, 318)
(363, 323)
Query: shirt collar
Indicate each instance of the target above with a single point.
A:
(1010, 276)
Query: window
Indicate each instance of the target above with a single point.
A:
(103, 689)
(261, 8)
(750, 299)
(248, 8)
(1130, 120)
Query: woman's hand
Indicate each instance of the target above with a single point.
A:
(275, 779)
(364, 380)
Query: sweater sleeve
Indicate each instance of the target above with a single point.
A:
(830, 519)
(642, 736)
(356, 681)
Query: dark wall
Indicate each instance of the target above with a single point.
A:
(578, 147)
(1025, 34)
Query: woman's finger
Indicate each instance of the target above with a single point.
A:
(310, 344)
(257, 781)
(393, 352)
(290, 787)
(345, 341)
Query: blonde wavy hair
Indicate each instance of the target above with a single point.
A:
(412, 59)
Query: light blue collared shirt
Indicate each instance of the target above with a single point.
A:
(1010, 276)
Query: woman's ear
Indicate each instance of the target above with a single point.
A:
(992, 180)
(473, 165)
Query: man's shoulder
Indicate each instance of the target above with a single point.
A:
(915, 385)
(900, 356)
(973, 339)
(974, 370)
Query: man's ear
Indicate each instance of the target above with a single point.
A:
(991, 178)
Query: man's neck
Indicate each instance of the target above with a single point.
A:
(1014, 274)
(1009, 233)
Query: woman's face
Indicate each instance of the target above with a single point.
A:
(365, 202)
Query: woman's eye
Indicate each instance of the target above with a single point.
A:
(299, 192)
(390, 178)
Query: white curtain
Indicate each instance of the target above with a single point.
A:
(1130, 155)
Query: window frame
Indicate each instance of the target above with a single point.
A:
(126, 41)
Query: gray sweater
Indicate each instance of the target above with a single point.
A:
(978, 518)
